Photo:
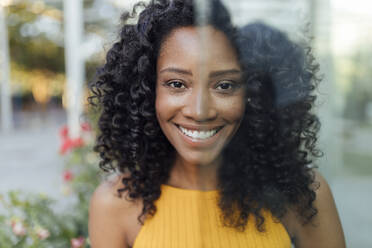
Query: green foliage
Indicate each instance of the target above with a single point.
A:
(37, 221)
(36, 42)
(32, 213)
(28, 46)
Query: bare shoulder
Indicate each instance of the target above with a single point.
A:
(325, 228)
(110, 214)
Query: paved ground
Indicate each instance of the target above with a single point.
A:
(29, 161)
(29, 154)
(354, 201)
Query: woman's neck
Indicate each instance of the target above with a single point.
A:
(194, 176)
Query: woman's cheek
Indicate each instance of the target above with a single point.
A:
(166, 104)
(233, 110)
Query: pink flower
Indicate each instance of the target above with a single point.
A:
(66, 145)
(85, 126)
(42, 233)
(69, 144)
(67, 176)
(63, 132)
(78, 242)
(78, 142)
(18, 228)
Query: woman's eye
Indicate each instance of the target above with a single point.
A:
(225, 86)
(176, 84)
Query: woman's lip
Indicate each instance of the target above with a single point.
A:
(198, 143)
(199, 128)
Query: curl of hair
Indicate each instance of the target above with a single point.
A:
(277, 134)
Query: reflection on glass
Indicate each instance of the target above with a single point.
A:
(211, 130)
(236, 78)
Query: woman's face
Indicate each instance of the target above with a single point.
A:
(199, 93)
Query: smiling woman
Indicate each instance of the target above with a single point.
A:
(210, 132)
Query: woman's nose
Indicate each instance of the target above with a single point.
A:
(200, 106)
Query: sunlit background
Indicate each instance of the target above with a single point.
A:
(49, 51)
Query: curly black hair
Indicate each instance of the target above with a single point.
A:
(278, 133)
(267, 163)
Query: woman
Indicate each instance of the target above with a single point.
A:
(213, 146)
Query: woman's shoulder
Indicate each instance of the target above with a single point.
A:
(111, 214)
(107, 196)
(325, 229)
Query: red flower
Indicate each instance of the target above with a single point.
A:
(69, 144)
(63, 132)
(85, 126)
(66, 144)
(77, 242)
(78, 142)
(67, 176)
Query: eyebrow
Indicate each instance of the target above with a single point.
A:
(224, 72)
(176, 70)
(212, 74)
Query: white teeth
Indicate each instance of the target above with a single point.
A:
(198, 134)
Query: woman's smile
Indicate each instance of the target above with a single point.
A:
(199, 136)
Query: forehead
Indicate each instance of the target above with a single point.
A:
(195, 46)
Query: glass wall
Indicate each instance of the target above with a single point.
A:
(276, 33)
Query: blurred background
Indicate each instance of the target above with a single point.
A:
(49, 50)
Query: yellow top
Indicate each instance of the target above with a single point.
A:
(190, 218)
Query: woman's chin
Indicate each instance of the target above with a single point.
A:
(198, 158)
